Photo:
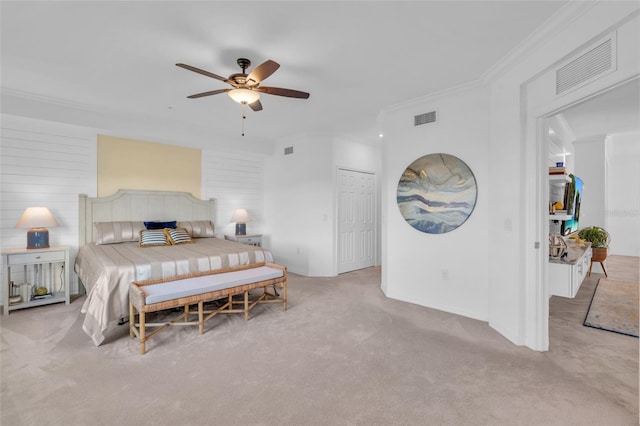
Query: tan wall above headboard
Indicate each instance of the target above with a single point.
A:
(132, 164)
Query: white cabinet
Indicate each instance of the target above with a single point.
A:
(566, 276)
(28, 269)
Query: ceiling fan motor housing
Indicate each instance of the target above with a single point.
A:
(244, 63)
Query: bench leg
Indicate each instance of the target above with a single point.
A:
(186, 312)
(201, 316)
(132, 321)
(246, 306)
(143, 337)
(284, 297)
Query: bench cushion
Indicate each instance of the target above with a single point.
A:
(156, 293)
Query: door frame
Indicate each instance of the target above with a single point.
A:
(535, 149)
(376, 216)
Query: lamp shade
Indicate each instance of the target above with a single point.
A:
(37, 219)
(240, 217)
(243, 96)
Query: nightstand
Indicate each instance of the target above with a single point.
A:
(252, 240)
(28, 269)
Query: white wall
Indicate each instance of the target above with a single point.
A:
(45, 164)
(508, 266)
(362, 156)
(235, 180)
(590, 167)
(414, 262)
(300, 198)
(297, 199)
(521, 93)
(622, 215)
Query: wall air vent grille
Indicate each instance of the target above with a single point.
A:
(288, 150)
(428, 117)
(588, 66)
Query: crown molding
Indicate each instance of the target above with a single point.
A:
(553, 26)
(475, 84)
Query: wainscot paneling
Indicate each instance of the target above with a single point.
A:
(45, 164)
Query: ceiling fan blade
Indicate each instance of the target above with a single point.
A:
(290, 93)
(256, 106)
(203, 72)
(263, 71)
(212, 92)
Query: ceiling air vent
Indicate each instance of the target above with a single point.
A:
(288, 150)
(592, 64)
(427, 117)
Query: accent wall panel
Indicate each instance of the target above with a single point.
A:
(47, 164)
(235, 180)
(134, 164)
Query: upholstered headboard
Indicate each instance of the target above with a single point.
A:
(141, 205)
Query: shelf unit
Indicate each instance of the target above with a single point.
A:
(559, 179)
(37, 268)
(557, 183)
(560, 217)
(565, 277)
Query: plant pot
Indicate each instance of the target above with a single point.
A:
(599, 254)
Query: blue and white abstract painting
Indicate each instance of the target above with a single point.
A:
(437, 193)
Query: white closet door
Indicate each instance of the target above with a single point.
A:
(356, 220)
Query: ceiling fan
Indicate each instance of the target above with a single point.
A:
(246, 88)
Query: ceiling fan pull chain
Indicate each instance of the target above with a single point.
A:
(244, 117)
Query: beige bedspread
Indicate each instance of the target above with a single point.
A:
(107, 270)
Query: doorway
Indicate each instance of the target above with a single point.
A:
(357, 220)
(538, 155)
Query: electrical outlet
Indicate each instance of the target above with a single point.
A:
(445, 274)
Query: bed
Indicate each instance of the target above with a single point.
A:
(110, 256)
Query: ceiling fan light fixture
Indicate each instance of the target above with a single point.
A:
(243, 96)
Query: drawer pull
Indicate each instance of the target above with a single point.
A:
(37, 257)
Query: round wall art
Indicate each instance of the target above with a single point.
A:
(437, 193)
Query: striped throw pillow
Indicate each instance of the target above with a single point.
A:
(153, 237)
(179, 236)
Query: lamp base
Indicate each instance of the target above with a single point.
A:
(37, 238)
(241, 228)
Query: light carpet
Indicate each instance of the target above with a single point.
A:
(614, 307)
(342, 354)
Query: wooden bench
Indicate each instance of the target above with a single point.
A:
(185, 290)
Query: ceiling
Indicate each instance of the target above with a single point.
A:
(111, 65)
(612, 112)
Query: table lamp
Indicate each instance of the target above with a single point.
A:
(37, 219)
(240, 217)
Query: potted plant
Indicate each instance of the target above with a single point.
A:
(599, 239)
